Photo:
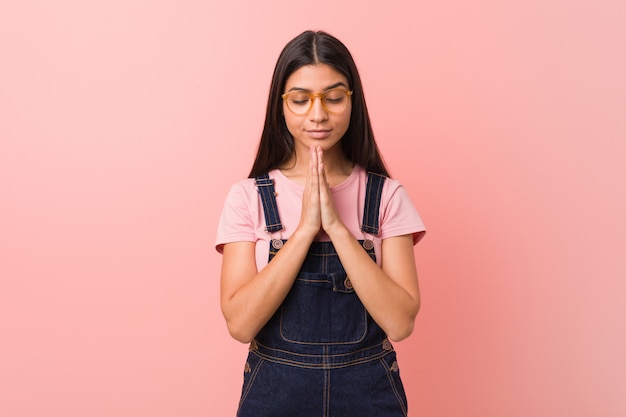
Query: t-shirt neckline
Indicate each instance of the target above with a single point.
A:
(338, 187)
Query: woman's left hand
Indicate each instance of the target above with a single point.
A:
(329, 216)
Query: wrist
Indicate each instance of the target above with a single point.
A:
(304, 235)
(338, 231)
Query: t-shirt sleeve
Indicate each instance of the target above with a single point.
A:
(400, 217)
(236, 222)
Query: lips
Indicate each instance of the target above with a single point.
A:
(318, 133)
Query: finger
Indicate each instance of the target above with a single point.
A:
(312, 171)
(319, 156)
(314, 165)
(321, 168)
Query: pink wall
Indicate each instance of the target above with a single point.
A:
(122, 124)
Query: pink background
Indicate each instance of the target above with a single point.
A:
(123, 123)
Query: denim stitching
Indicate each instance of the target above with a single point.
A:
(365, 327)
(324, 361)
(265, 186)
(326, 392)
(308, 365)
(371, 212)
(390, 377)
(322, 258)
(273, 251)
(385, 346)
(255, 372)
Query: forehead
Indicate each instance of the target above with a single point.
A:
(315, 78)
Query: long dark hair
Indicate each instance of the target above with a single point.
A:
(276, 145)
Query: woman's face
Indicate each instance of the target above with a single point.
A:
(318, 127)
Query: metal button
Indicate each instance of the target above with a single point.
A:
(277, 243)
(387, 345)
(368, 244)
(347, 283)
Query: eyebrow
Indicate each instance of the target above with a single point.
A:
(330, 87)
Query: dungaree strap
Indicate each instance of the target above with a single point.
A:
(265, 186)
(373, 195)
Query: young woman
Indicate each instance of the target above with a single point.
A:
(318, 270)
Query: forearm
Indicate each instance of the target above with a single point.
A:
(393, 306)
(247, 309)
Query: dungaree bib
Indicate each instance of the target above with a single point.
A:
(321, 354)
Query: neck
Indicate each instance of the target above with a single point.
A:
(336, 165)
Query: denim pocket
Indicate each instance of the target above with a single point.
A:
(322, 309)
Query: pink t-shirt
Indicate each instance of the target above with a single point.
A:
(242, 217)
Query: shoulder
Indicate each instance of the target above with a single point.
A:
(398, 213)
(239, 214)
(390, 186)
(240, 200)
(393, 188)
(244, 184)
(242, 189)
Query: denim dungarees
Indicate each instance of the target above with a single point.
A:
(321, 354)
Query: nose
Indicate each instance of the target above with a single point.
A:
(318, 112)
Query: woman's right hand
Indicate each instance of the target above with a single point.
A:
(250, 297)
(310, 218)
